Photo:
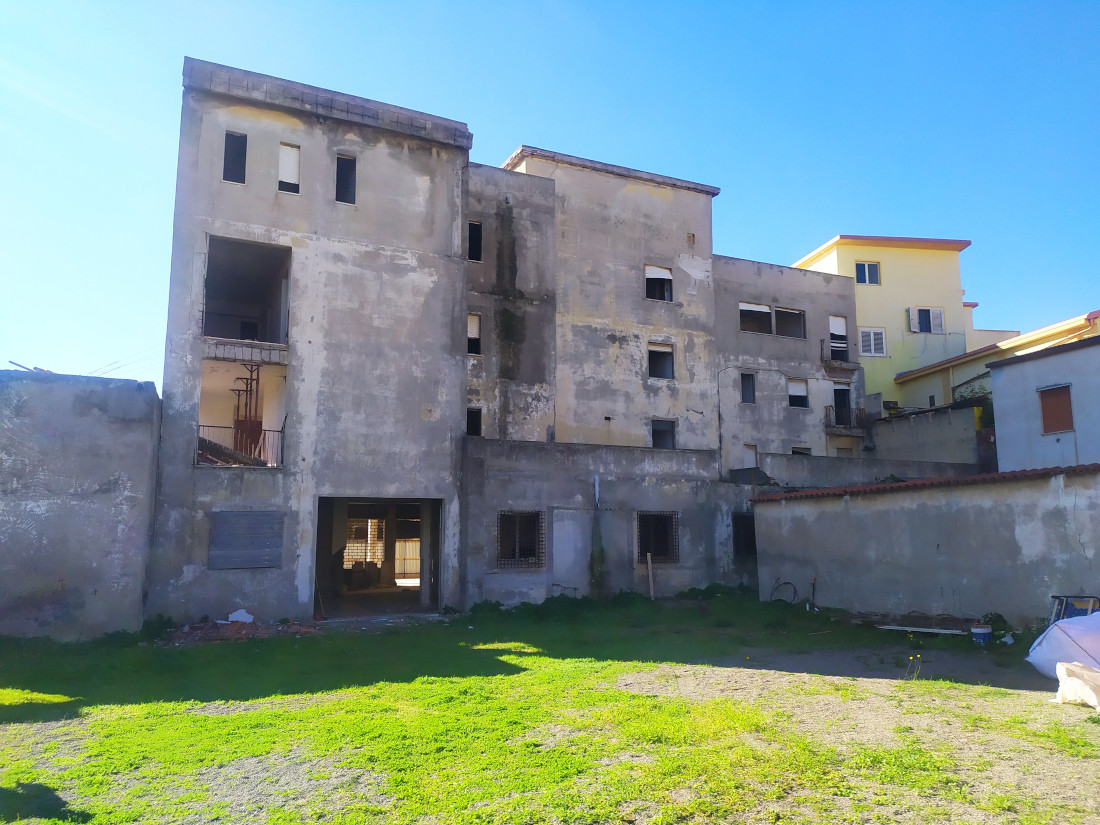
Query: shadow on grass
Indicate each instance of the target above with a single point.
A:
(717, 627)
(29, 800)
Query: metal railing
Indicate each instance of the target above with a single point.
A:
(849, 417)
(264, 445)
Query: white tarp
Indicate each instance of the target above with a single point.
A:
(1078, 684)
(1070, 640)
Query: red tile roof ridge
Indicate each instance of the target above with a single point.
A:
(961, 481)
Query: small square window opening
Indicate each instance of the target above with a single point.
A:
(658, 283)
(473, 421)
(661, 361)
(867, 273)
(345, 179)
(801, 451)
(748, 388)
(521, 539)
(289, 168)
(474, 237)
(658, 537)
(233, 161)
(663, 434)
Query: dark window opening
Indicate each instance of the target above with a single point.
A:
(797, 393)
(842, 406)
(756, 318)
(1057, 409)
(473, 421)
(748, 388)
(867, 273)
(663, 434)
(659, 289)
(473, 334)
(924, 320)
(801, 451)
(658, 537)
(521, 540)
(660, 361)
(931, 400)
(246, 291)
(744, 536)
(345, 179)
(474, 233)
(233, 162)
(790, 323)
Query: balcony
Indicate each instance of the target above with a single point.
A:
(845, 420)
(239, 446)
(836, 357)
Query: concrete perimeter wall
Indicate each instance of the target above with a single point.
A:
(826, 471)
(77, 476)
(997, 543)
(557, 480)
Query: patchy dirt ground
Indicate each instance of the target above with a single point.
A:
(853, 698)
(214, 630)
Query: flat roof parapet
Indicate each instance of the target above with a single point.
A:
(525, 152)
(287, 94)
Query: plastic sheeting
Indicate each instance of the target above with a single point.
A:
(1078, 684)
(1070, 640)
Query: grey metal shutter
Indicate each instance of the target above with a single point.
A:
(246, 538)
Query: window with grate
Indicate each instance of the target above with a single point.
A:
(658, 536)
(521, 539)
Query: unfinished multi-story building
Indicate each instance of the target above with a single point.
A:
(394, 374)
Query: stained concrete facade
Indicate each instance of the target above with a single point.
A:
(77, 481)
(467, 342)
(1001, 543)
(1028, 393)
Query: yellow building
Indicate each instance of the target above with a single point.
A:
(910, 311)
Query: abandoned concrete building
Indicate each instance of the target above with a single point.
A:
(388, 364)
(396, 379)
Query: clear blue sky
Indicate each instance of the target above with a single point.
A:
(958, 120)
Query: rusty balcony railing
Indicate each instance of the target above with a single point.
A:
(263, 447)
(852, 418)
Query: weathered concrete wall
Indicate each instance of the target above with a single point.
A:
(818, 472)
(769, 423)
(609, 226)
(937, 435)
(1000, 545)
(559, 481)
(512, 288)
(376, 364)
(1021, 443)
(77, 475)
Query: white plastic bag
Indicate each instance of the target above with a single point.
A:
(1078, 684)
(1070, 640)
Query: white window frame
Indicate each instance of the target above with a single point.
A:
(866, 280)
(935, 320)
(870, 353)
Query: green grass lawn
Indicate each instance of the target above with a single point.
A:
(572, 712)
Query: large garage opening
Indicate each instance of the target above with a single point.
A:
(377, 556)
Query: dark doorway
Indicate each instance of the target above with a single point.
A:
(377, 556)
(744, 549)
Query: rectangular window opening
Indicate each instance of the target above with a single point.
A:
(473, 334)
(748, 388)
(872, 342)
(838, 338)
(474, 236)
(246, 291)
(345, 179)
(233, 161)
(473, 421)
(801, 451)
(1057, 409)
(661, 361)
(658, 283)
(289, 167)
(663, 434)
(867, 273)
(658, 537)
(926, 319)
(797, 393)
(790, 323)
(521, 539)
(756, 318)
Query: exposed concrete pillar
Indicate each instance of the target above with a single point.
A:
(427, 533)
(389, 563)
